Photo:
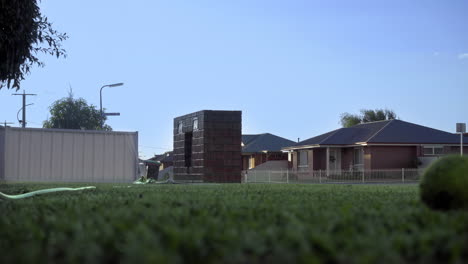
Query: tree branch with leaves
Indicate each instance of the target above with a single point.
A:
(25, 33)
(71, 113)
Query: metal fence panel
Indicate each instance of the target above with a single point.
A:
(57, 155)
(2, 153)
(403, 175)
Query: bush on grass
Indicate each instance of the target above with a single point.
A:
(445, 184)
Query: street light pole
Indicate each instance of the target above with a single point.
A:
(100, 94)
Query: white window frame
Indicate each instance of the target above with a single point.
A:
(299, 164)
(195, 124)
(433, 148)
(361, 157)
(180, 127)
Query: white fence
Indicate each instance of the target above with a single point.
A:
(343, 176)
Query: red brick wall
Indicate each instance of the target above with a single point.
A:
(277, 156)
(222, 146)
(310, 159)
(320, 159)
(455, 150)
(245, 162)
(216, 147)
(347, 158)
(392, 157)
(196, 170)
(259, 158)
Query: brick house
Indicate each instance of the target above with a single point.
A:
(159, 163)
(260, 148)
(390, 144)
(207, 146)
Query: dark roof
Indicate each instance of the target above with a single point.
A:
(246, 139)
(166, 157)
(261, 142)
(384, 132)
(405, 132)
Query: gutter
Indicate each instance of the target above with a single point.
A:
(319, 146)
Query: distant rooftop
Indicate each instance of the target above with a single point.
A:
(262, 142)
(165, 157)
(385, 132)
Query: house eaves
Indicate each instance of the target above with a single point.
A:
(319, 146)
(300, 147)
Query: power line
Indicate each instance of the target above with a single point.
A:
(6, 123)
(154, 147)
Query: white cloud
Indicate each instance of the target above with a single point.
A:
(463, 56)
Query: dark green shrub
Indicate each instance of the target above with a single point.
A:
(445, 184)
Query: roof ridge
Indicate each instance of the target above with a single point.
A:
(255, 134)
(371, 122)
(268, 134)
(375, 134)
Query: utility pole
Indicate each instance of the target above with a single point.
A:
(24, 94)
(6, 123)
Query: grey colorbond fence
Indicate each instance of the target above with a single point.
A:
(62, 155)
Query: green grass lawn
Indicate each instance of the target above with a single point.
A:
(229, 223)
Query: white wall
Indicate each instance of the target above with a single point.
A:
(62, 155)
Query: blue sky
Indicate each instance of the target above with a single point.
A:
(291, 66)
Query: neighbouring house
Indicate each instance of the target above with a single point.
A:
(149, 168)
(159, 163)
(390, 144)
(260, 148)
(166, 159)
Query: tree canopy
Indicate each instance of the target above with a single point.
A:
(25, 32)
(366, 115)
(71, 113)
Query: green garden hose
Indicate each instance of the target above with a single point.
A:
(29, 194)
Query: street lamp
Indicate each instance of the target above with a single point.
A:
(100, 93)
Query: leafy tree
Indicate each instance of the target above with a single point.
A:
(70, 113)
(348, 120)
(366, 115)
(25, 32)
(377, 115)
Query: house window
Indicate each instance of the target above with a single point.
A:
(433, 150)
(357, 157)
(179, 127)
(251, 162)
(302, 158)
(195, 124)
(358, 161)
